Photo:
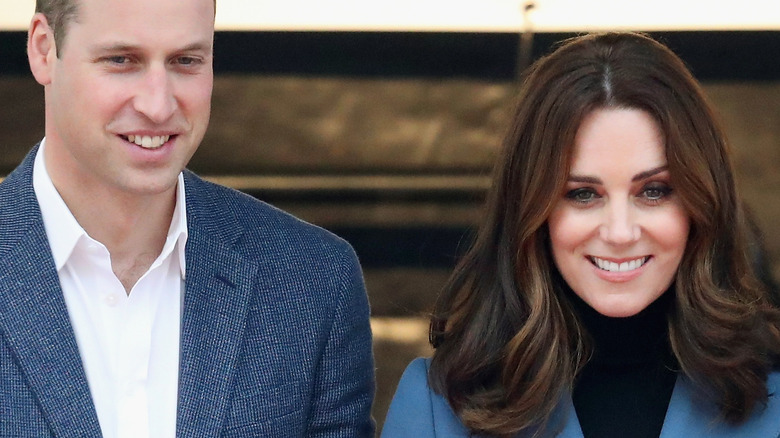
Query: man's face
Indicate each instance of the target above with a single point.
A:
(128, 100)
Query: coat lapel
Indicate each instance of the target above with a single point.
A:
(682, 415)
(567, 416)
(217, 289)
(33, 317)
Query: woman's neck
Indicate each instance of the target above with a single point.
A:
(640, 338)
(628, 382)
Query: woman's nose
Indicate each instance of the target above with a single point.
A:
(619, 226)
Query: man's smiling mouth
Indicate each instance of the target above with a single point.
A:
(148, 141)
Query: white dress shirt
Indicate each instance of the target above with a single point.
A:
(129, 344)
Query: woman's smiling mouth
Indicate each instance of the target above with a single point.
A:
(606, 265)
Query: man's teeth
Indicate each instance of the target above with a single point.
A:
(148, 142)
(606, 265)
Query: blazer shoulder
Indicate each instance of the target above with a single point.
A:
(773, 402)
(765, 421)
(231, 214)
(19, 211)
(416, 410)
(689, 415)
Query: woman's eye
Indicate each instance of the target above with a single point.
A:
(656, 193)
(582, 195)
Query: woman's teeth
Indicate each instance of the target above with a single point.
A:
(606, 265)
(148, 142)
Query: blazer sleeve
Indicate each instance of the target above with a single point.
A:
(344, 384)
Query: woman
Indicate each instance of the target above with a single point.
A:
(609, 291)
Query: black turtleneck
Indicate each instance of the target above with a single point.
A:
(624, 390)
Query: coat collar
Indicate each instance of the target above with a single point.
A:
(688, 415)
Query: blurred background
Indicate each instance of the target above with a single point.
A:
(380, 120)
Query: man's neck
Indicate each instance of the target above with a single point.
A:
(132, 227)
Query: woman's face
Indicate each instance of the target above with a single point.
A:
(618, 231)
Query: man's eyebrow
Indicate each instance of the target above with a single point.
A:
(122, 47)
(198, 46)
(118, 47)
(638, 177)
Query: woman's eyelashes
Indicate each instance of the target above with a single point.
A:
(652, 193)
(655, 192)
(582, 195)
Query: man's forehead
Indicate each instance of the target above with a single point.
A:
(144, 23)
(169, 8)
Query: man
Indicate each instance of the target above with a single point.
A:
(137, 300)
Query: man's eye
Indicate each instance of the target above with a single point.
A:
(188, 60)
(582, 195)
(120, 60)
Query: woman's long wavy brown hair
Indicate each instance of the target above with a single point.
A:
(508, 345)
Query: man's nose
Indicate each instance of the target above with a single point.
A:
(155, 98)
(619, 226)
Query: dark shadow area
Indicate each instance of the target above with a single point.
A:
(416, 247)
(712, 55)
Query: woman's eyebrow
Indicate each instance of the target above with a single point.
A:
(584, 179)
(638, 177)
(648, 173)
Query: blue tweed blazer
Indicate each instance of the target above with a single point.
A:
(275, 334)
(416, 411)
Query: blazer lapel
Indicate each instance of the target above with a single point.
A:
(33, 317)
(567, 416)
(217, 288)
(682, 415)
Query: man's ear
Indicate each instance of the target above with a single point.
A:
(41, 49)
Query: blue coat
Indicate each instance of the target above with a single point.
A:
(275, 335)
(417, 411)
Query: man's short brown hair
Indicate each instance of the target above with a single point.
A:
(58, 13)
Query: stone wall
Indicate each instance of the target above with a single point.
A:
(303, 126)
(300, 127)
